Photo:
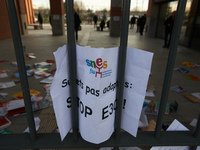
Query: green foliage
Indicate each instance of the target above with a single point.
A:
(46, 19)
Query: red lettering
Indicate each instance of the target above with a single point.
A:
(99, 62)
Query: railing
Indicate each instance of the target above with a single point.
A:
(35, 140)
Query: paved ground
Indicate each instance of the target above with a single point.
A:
(43, 44)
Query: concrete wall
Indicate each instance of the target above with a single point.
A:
(21, 10)
(23, 24)
(57, 22)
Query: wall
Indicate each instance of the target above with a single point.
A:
(161, 18)
(152, 18)
(22, 17)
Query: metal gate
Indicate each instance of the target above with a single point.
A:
(35, 140)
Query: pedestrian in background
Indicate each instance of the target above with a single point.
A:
(138, 24)
(169, 23)
(132, 22)
(40, 20)
(108, 23)
(95, 18)
(77, 22)
(142, 23)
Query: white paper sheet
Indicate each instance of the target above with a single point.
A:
(150, 94)
(37, 124)
(175, 126)
(197, 94)
(15, 104)
(193, 122)
(3, 75)
(138, 67)
(60, 92)
(4, 85)
(97, 83)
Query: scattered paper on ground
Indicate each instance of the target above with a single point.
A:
(37, 124)
(4, 85)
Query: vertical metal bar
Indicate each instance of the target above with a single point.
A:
(72, 66)
(197, 130)
(12, 13)
(170, 64)
(121, 65)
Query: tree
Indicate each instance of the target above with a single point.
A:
(105, 14)
(89, 12)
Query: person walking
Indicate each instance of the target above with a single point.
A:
(40, 20)
(132, 22)
(77, 22)
(169, 23)
(142, 23)
(138, 24)
(95, 18)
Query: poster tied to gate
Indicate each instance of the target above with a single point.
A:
(97, 85)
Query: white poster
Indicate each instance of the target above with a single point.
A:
(97, 83)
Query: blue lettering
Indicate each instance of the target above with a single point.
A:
(88, 62)
(92, 71)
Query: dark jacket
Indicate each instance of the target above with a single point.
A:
(133, 20)
(143, 20)
(169, 23)
(95, 19)
(40, 18)
(77, 21)
(102, 24)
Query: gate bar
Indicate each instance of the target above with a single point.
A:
(170, 64)
(52, 140)
(196, 133)
(14, 25)
(72, 66)
(197, 130)
(121, 65)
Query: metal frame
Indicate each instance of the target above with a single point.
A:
(119, 139)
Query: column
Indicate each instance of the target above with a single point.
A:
(115, 17)
(152, 18)
(30, 15)
(57, 17)
(21, 9)
(191, 16)
(5, 31)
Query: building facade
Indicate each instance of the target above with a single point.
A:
(158, 11)
(25, 15)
